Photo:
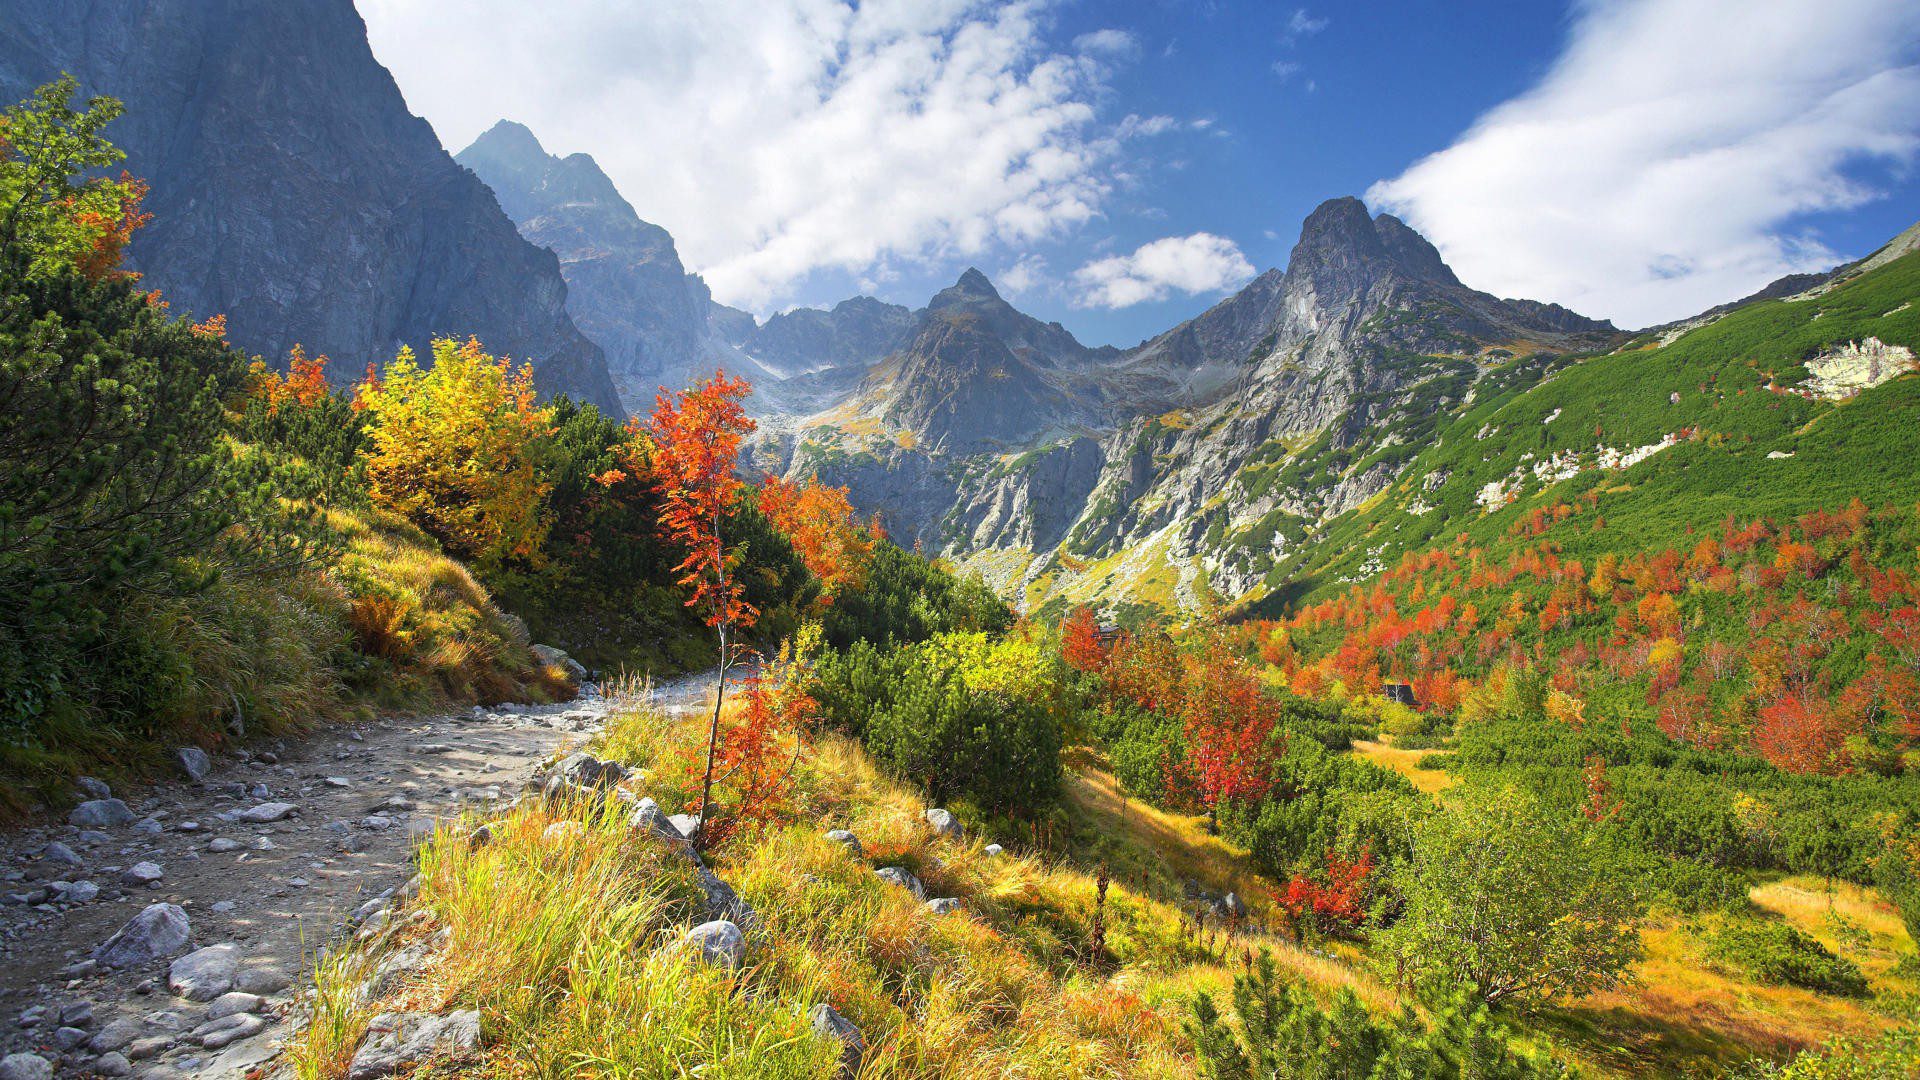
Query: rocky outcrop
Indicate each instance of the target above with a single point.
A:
(1194, 455)
(627, 288)
(293, 191)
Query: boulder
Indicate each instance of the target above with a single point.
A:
(945, 905)
(719, 943)
(118, 1035)
(157, 932)
(896, 875)
(1234, 906)
(648, 815)
(827, 1022)
(580, 773)
(231, 1028)
(262, 980)
(265, 812)
(113, 1063)
(194, 762)
(993, 851)
(57, 852)
(687, 825)
(100, 814)
(235, 1002)
(943, 822)
(842, 836)
(722, 901)
(93, 788)
(205, 974)
(399, 1041)
(141, 874)
(25, 1067)
(553, 657)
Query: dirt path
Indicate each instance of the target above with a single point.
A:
(276, 890)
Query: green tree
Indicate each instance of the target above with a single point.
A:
(118, 484)
(54, 207)
(1279, 1032)
(1506, 898)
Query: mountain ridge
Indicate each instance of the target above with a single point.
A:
(271, 186)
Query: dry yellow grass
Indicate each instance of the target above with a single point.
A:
(1405, 762)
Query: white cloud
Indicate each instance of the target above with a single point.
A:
(1303, 23)
(1199, 263)
(1286, 69)
(775, 138)
(1134, 126)
(1109, 42)
(1026, 275)
(1656, 170)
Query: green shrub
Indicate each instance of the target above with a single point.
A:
(1774, 952)
(1279, 1031)
(952, 720)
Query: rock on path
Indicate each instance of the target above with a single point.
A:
(260, 886)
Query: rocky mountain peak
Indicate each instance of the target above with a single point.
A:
(301, 198)
(973, 286)
(1411, 252)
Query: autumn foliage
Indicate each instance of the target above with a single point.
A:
(696, 436)
(820, 524)
(449, 448)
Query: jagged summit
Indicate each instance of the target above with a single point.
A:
(302, 199)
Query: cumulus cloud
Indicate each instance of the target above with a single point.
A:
(1199, 263)
(1108, 42)
(776, 138)
(1027, 275)
(1658, 167)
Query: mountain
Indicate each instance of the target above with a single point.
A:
(1767, 410)
(1191, 462)
(300, 197)
(628, 289)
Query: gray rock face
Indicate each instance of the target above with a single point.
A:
(626, 286)
(992, 850)
(945, 905)
(302, 198)
(193, 762)
(397, 1041)
(100, 814)
(827, 1022)
(718, 943)
(266, 812)
(157, 932)
(205, 974)
(896, 875)
(25, 1067)
(852, 842)
(1023, 440)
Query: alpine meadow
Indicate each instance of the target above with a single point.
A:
(453, 626)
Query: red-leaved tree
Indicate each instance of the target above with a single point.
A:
(696, 443)
(1080, 643)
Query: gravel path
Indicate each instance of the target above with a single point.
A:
(334, 818)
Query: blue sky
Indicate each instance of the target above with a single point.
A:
(1121, 166)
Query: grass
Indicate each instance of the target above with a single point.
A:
(565, 939)
(386, 624)
(1408, 763)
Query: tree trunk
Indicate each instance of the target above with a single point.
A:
(713, 741)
